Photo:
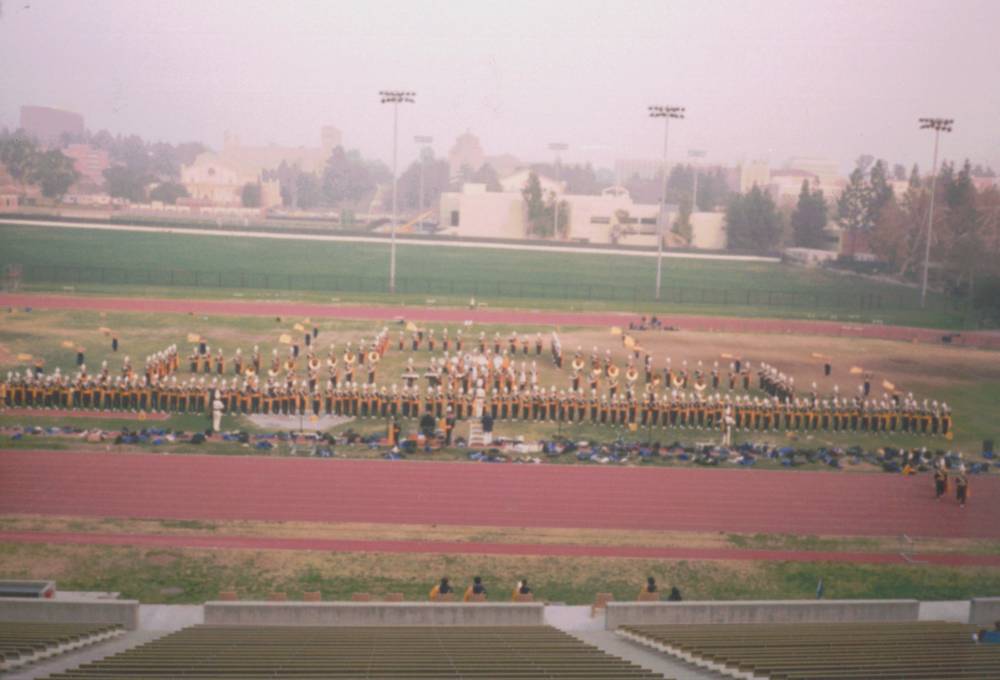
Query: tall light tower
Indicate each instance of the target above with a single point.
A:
(394, 97)
(666, 113)
(424, 141)
(556, 167)
(939, 125)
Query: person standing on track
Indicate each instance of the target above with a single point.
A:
(961, 487)
(940, 481)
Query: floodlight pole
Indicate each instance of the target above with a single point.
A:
(394, 97)
(939, 125)
(666, 113)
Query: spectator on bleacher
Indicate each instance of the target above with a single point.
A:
(477, 588)
(675, 595)
(442, 588)
(522, 588)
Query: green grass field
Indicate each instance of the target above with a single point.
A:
(141, 263)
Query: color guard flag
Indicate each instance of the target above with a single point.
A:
(24, 357)
(629, 341)
(299, 327)
(68, 344)
(817, 355)
(856, 370)
(411, 327)
(194, 337)
(616, 330)
(105, 330)
(285, 339)
(727, 355)
(888, 385)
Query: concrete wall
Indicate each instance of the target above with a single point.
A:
(123, 612)
(750, 611)
(984, 611)
(373, 614)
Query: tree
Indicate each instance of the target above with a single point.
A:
(809, 218)
(347, 178)
(682, 225)
(168, 192)
(124, 183)
(19, 155)
(250, 195)
(535, 212)
(308, 191)
(752, 222)
(853, 208)
(436, 181)
(899, 172)
(54, 172)
(488, 176)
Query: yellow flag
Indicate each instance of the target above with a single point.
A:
(632, 427)
(888, 385)
(817, 355)
(194, 337)
(306, 321)
(285, 339)
(629, 341)
(616, 330)
(68, 344)
(104, 329)
(411, 327)
(299, 327)
(24, 357)
(727, 355)
(855, 370)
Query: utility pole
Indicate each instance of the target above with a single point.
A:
(939, 125)
(666, 113)
(394, 97)
(423, 140)
(557, 166)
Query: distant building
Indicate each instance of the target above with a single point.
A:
(626, 169)
(609, 217)
(48, 125)
(215, 180)
(504, 164)
(826, 171)
(219, 177)
(754, 173)
(90, 162)
(466, 152)
(786, 185)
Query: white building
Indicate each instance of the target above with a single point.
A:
(610, 217)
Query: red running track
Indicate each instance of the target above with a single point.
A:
(501, 495)
(470, 548)
(985, 339)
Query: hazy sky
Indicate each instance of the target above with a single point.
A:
(760, 79)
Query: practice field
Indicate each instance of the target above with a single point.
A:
(137, 263)
(967, 379)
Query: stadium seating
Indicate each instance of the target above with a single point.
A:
(828, 651)
(22, 642)
(245, 652)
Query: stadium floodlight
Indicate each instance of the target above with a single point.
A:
(394, 97)
(939, 125)
(556, 165)
(666, 113)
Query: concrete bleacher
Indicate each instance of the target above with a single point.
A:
(826, 651)
(124, 613)
(374, 613)
(25, 642)
(984, 611)
(249, 652)
(752, 611)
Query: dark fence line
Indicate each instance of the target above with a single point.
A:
(834, 299)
